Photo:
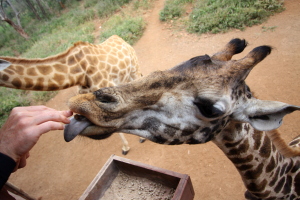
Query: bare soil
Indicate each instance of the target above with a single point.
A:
(128, 187)
(61, 171)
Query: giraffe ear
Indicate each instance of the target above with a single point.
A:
(265, 115)
(4, 64)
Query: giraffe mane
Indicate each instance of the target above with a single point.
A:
(47, 59)
(281, 145)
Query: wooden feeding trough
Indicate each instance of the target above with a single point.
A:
(122, 178)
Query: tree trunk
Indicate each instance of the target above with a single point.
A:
(3, 17)
(19, 29)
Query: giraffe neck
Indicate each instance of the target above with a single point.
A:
(265, 171)
(53, 73)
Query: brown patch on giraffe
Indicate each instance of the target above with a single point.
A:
(72, 81)
(75, 70)
(120, 55)
(28, 82)
(39, 84)
(60, 79)
(127, 61)
(86, 50)
(20, 70)
(287, 187)
(60, 68)
(257, 138)
(271, 165)
(52, 86)
(283, 168)
(104, 83)
(107, 49)
(265, 149)
(31, 71)
(10, 72)
(71, 61)
(241, 149)
(102, 58)
(254, 174)
(80, 78)
(113, 76)
(246, 159)
(97, 76)
(258, 188)
(93, 61)
(92, 70)
(112, 60)
(79, 56)
(107, 67)
(105, 75)
(84, 65)
(16, 82)
(115, 70)
(274, 179)
(45, 70)
(234, 144)
(244, 167)
(279, 185)
(5, 77)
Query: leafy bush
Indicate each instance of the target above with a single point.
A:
(221, 15)
(173, 9)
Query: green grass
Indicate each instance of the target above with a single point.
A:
(11, 98)
(215, 16)
(130, 29)
(173, 9)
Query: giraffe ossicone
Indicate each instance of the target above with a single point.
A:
(203, 99)
(85, 65)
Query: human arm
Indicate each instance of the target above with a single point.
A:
(24, 127)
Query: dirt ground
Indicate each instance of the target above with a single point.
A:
(62, 171)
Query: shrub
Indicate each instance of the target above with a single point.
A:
(219, 16)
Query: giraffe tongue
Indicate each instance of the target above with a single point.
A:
(75, 127)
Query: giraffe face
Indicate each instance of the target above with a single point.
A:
(189, 103)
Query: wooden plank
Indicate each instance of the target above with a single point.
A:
(102, 181)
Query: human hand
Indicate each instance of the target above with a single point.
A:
(24, 127)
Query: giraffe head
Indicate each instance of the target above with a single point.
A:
(190, 103)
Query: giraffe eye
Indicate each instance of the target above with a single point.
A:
(107, 99)
(104, 98)
(208, 109)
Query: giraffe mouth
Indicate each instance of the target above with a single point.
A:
(77, 125)
(80, 125)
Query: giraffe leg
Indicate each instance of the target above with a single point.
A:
(125, 147)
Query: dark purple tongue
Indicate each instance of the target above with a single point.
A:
(76, 126)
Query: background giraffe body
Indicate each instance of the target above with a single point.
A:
(204, 99)
(87, 65)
